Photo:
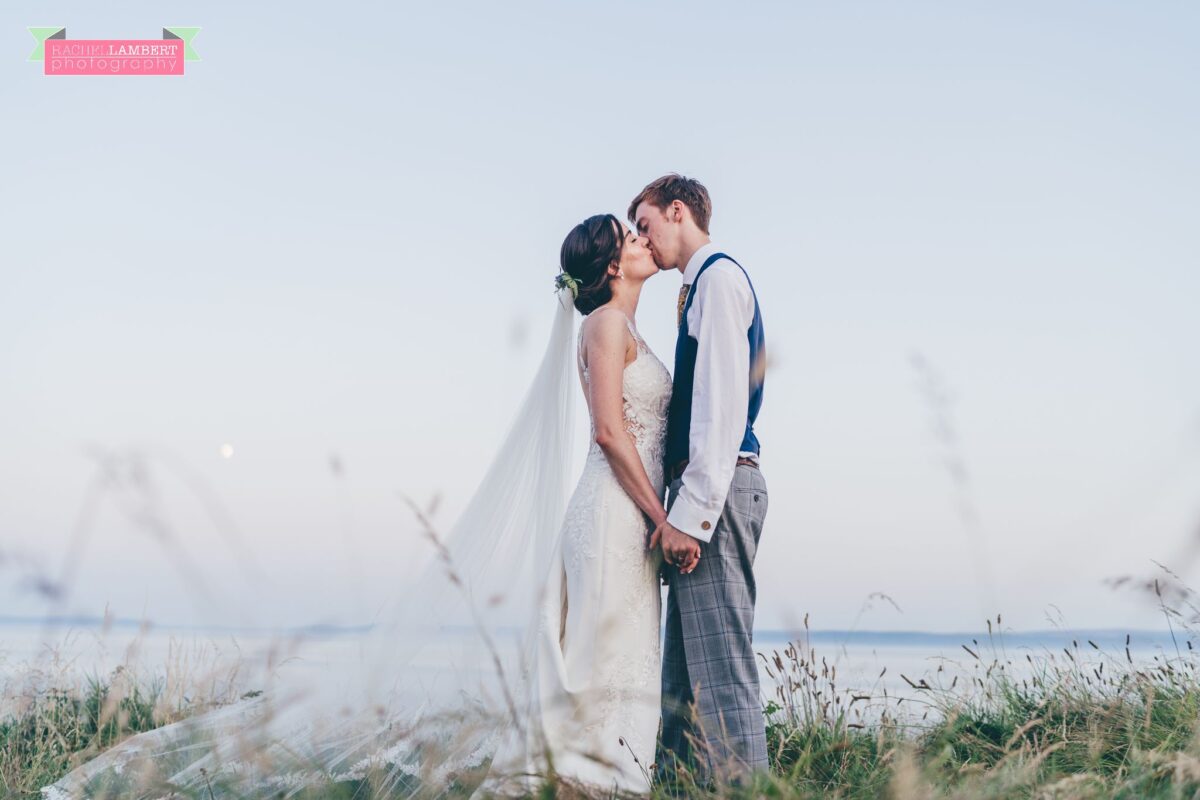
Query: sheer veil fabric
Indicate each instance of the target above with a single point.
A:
(442, 677)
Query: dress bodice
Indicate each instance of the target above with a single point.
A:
(646, 388)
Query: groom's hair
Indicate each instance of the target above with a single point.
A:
(669, 188)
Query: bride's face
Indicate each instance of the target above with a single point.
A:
(637, 262)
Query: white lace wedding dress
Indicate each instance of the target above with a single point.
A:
(596, 700)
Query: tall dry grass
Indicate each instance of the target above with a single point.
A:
(1081, 723)
(54, 716)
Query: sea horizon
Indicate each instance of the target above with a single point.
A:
(901, 637)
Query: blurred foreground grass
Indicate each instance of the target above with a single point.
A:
(1083, 723)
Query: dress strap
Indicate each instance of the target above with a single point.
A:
(633, 331)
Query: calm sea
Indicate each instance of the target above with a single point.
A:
(864, 662)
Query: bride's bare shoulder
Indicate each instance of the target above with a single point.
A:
(606, 332)
(606, 326)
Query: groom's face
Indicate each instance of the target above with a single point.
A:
(653, 223)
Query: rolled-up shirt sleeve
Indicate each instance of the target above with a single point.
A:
(719, 319)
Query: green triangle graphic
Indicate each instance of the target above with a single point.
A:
(187, 34)
(42, 34)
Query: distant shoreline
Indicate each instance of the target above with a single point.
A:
(1104, 638)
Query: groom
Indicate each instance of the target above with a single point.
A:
(712, 710)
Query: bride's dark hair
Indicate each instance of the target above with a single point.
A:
(589, 250)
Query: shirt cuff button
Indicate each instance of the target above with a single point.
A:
(705, 525)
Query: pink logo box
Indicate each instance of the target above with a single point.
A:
(114, 57)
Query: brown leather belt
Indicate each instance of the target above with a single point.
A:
(678, 469)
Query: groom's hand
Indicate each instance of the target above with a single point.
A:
(678, 548)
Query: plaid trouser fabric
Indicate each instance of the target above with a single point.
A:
(708, 658)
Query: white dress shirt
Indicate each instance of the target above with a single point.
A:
(719, 319)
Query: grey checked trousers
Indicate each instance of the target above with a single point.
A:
(708, 655)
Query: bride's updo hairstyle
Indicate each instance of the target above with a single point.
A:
(589, 250)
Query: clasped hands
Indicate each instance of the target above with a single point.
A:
(678, 548)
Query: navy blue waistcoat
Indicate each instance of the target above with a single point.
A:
(679, 420)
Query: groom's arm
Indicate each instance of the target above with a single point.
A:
(723, 311)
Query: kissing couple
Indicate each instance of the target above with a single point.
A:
(598, 684)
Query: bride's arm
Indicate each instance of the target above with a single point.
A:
(606, 343)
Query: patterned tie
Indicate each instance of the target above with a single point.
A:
(683, 293)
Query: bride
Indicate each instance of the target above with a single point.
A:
(596, 702)
(435, 691)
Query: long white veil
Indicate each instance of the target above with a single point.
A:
(439, 678)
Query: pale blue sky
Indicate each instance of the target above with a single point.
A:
(337, 234)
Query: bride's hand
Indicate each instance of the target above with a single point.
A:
(657, 520)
